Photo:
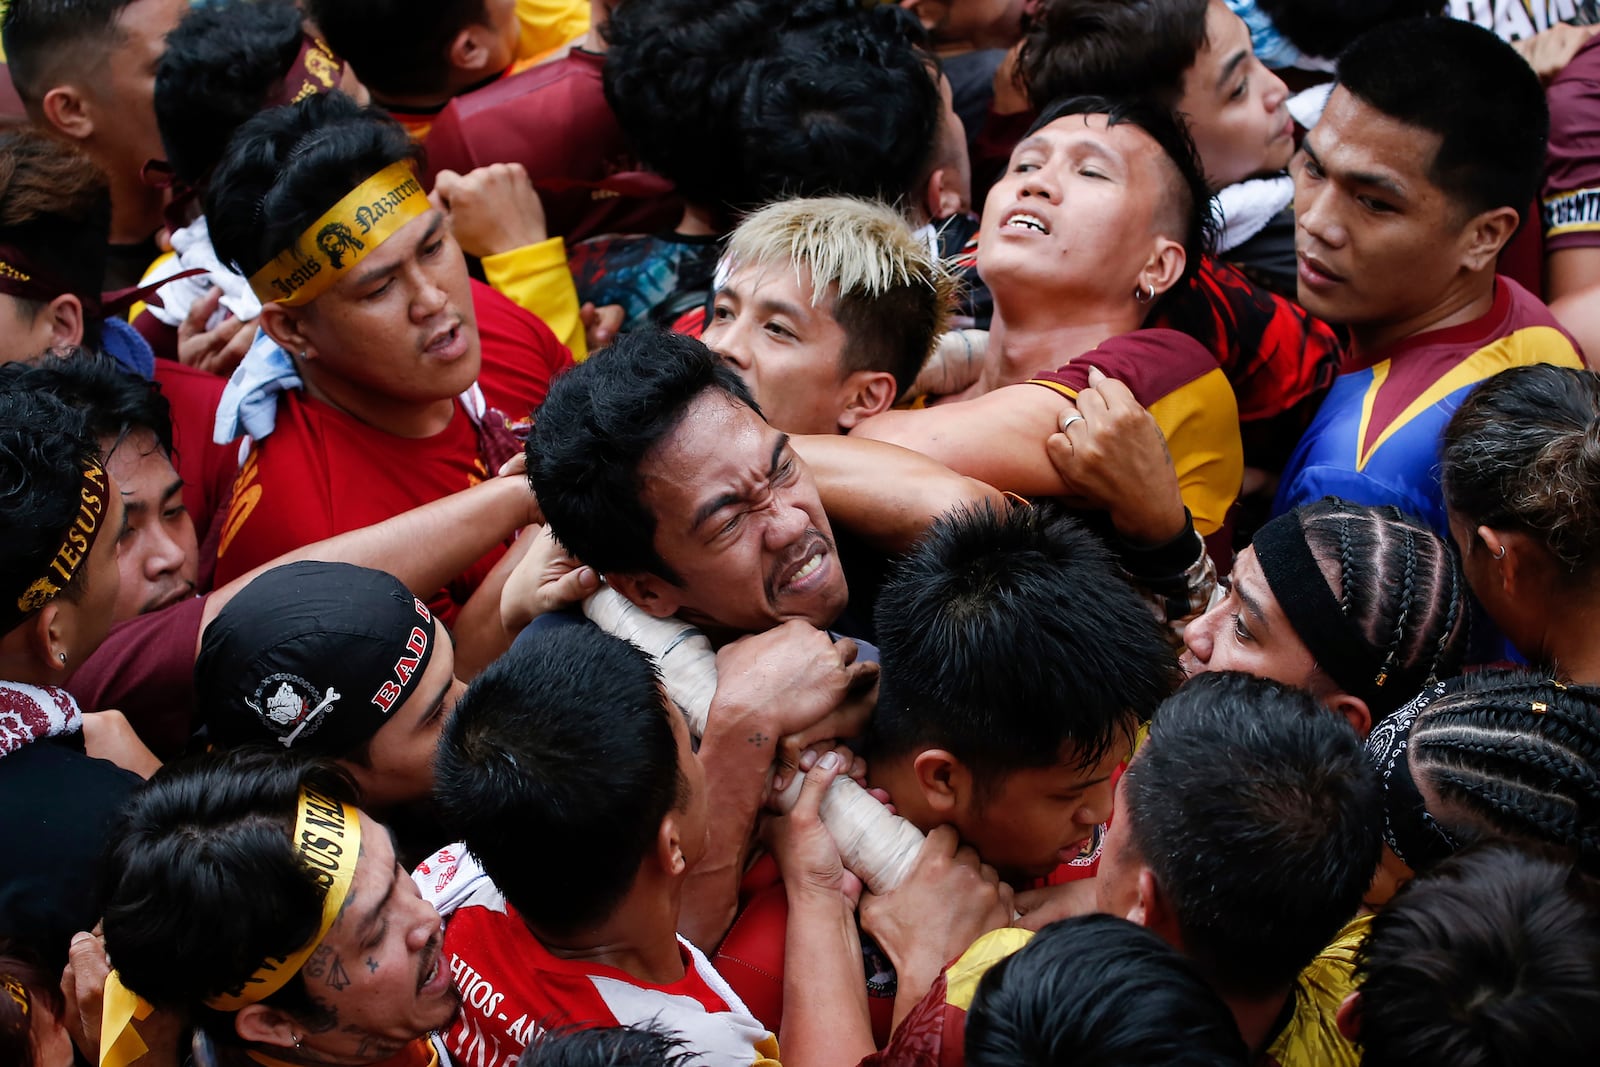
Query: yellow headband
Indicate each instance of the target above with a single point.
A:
(343, 237)
(327, 841)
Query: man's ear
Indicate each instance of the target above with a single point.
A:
(66, 110)
(1348, 1018)
(65, 321)
(1164, 267)
(669, 847)
(867, 393)
(48, 637)
(1485, 235)
(261, 1024)
(286, 327)
(648, 592)
(940, 197)
(1355, 712)
(1153, 910)
(945, 781)
(472, 49)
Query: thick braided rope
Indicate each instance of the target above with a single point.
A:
(875, 845)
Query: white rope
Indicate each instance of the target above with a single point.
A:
(877, 846)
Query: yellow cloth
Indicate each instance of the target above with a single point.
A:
(548, 25)
(1312, 1038)
(962, 977)
(536, 279)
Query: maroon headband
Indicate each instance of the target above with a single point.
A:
(24, 278)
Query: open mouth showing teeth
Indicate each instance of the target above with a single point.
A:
(806, 571)
(1026, 221)
(432, 973)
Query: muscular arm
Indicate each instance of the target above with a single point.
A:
(998, 438)
(885, 494)
(424, 547)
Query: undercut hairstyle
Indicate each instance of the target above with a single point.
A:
(566, 740)
(1099, 989)
(1522, 452)
(47, 42)
(114, 402)
(595, 428)
(1473, 90)
(1514, 754)
(1118, 48)
(1259, 814)
(222, 63)
(1399, 582)
(1186, 212)
(1488, 959)
(648, 1045)
(397, 47)
(1324, 28)
(806, 98)
(286, 167)
(889, 293)
(1006, 637)
(202, 882)
(55, 207)
(44, 445)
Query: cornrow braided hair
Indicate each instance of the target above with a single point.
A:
(1399, 584)
(1514, 754)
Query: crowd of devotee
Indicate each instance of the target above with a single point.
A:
(901, 533)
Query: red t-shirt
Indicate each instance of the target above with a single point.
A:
(145, 669)
(512, 988)
(323, 472)
(554, 120)
(1571, 194)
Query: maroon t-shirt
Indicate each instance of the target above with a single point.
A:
(145, 669)
(554, 120)
(1571, 196)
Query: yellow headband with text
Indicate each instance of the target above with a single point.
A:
(68, 559)
(342, 237)
(327, 841)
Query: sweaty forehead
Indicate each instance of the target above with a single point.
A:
(717, 447)
(1354, 137)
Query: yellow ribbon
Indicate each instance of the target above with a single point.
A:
(327, 841)
(343, 237)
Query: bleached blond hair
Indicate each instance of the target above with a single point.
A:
(889, 292)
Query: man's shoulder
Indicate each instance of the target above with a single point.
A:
(1152, 363)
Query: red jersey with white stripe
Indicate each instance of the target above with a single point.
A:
(512, 988)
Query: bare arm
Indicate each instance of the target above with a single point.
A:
(1570, 272)
(883, 493)
(424, 547)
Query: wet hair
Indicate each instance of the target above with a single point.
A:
(1120, 48)
(648, 1045)
(1513, 754)
(222, 63)
(114, 402)
(22, 976)
(1191, 220)
(397, 47)
(1522, 452)
(1484, 961)
(565, 740)
(286, 167)
(1324, 28)
(1259, 815)
(1492, 126)
(47, 41)
(1400, 587)
(1007, 636)
(594, 430)
(55, 207)
(202, 882)
(892, 295)
(809, 98)
(44, 445)
(1099, 990)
